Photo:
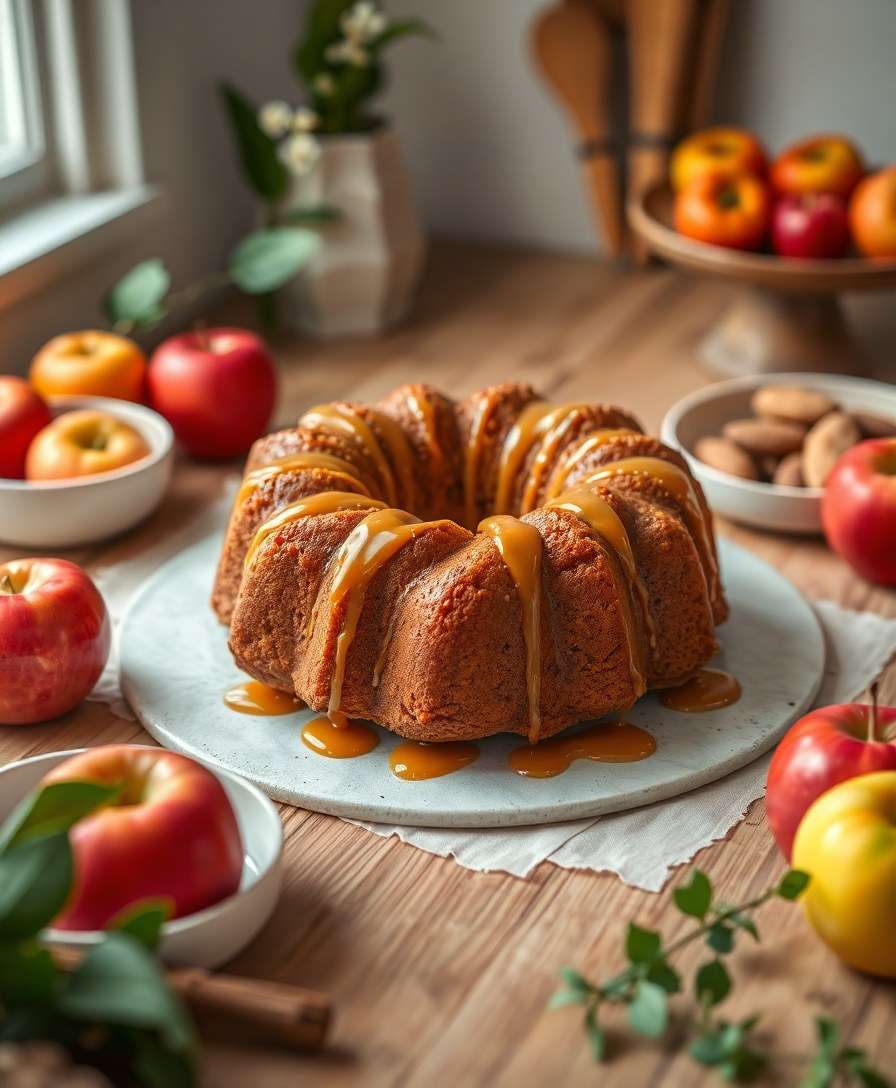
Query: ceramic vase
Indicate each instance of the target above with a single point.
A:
(362, 279)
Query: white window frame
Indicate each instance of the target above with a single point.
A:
(22, 166)
(89, 159)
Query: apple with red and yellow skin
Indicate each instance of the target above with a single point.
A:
(872, 214)
(22, 414)
(825, 747)
(847, 844)
(170, 834)
(858, 509)
(216, 387)
(732, 212)
(54, 639)
(92, 363)
(722, 151)
(83, 443)
(818, 164)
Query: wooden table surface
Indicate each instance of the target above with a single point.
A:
(439, 974)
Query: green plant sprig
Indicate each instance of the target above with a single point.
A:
(115, 1008)
(646, 984)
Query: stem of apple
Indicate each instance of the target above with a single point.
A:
(872, 715)
(6, 585)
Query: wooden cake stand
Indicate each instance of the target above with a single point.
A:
(787, 315)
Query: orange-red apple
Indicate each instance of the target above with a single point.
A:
(171, 834)
(22, 414)
(54, 639)
(721, 151)
(92, 363)
(872, 214)
(818, 164)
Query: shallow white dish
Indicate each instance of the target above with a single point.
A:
(70, 513)
(176, 668)
(765, 506)
(212, 936)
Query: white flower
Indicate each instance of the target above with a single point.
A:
(299, 153)
(348, 51)
(275, 118)
(363, 22)
(304, 120)
(324, 84)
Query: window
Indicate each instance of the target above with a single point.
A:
(23, 164)
(70, 155)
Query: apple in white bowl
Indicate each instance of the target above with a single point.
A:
(171, 834)
(858, 509)
(54, 639)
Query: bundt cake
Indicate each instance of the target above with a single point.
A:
(558, 563)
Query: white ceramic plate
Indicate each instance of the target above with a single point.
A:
(212, 936)
(766, 506)
(176, 667)
(71, 513)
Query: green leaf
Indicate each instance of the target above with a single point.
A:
(308, 217)
(648, 1011)
(28, 974)
(665, 977)
(52, 809)
(157, 1067)
(871, 1078)
(322, 29)
(35, 879)
(563, 998)
(744, 1067)
(138, 295)
(793, 884)
(266, 259)
(712, 983)
(742, 921)
(118, 982)
(827, 1032)
(708, 1049)
(642, 945)
(143, 921)
(694, 897)
(720, 938)
(257, 151)
(402, 28)
(597, 1042)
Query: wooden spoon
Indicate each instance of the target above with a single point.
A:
(712, 19)
(572, 48)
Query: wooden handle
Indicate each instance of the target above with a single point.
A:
(276, 1012)
(602, 176)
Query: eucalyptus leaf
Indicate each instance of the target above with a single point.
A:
(641, 945)
(664, 976)
(597, 1041)
(648, 1011)
(266, 259)
(53, 808)
(744, 922)
(138, 295)
(712, 983)
(257, 151)
(28, 974)
(793, 884)
(119, 982)
(694, 897)
(720, 938)
(35, 878)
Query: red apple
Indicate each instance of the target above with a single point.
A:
(216, 387)
(22, 414)
(858, 509)
(810, 226)
(171, 834)
(54, 639)
(822, 749)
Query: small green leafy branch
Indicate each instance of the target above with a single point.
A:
(731, 1048)
(115, 1009)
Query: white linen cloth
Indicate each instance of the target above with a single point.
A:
(641, 846)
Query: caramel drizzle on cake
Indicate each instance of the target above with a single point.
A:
(535, 422)
(520, 546)
(344, 420)
(426, 415)
(324, 502)
(593, 509)
(471, 455)
(680, 486)
(294, 463)
(594, 441)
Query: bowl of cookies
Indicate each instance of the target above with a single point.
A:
(763, 446)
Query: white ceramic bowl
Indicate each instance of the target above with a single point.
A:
(70, 513)
(765, 506)
(212, 936)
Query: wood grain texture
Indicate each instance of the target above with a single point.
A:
(438, 974)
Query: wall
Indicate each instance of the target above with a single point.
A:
(491, 152)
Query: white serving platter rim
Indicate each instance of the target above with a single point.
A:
(209, 937)
(175, 668)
